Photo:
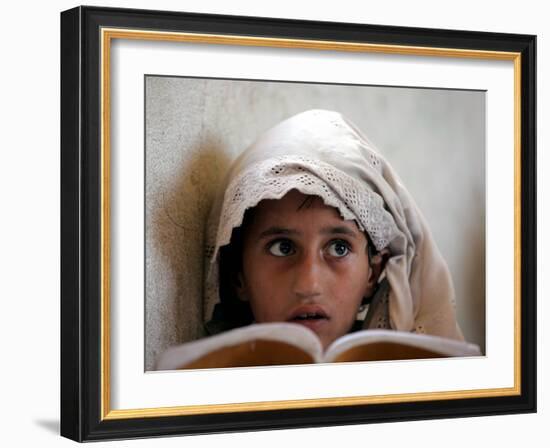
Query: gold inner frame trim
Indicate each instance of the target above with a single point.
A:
(107, 35)
(105, 183)
(295, 404)
(517, 220)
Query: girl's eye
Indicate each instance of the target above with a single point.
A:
(338, 249)
(281, 248)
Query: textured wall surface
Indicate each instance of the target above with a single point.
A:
(435, 139)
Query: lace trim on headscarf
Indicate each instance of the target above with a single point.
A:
(273, 178)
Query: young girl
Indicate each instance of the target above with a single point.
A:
(314, 227)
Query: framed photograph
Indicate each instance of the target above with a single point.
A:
(204, 160)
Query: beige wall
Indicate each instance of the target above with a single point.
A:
(435, 139)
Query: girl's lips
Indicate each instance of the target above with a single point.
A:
(313, 324)
(310, 316)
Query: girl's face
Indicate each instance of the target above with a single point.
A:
(303, 263)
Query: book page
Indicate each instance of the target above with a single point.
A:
(254, 345)
(257, 352)
(383, 345)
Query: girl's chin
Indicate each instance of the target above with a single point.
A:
(319, 327)
(316, 325)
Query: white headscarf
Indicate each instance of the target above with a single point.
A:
(321, 153)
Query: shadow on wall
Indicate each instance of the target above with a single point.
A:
(174, 277)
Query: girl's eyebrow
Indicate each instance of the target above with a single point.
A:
(274, 230)
(330, 230)
(339, 230)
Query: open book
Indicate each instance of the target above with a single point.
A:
(287, 343)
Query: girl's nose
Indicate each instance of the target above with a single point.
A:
(307, 276)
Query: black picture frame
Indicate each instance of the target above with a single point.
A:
(83, 407)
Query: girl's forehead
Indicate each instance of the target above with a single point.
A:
(298, 209)
(295, 202)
